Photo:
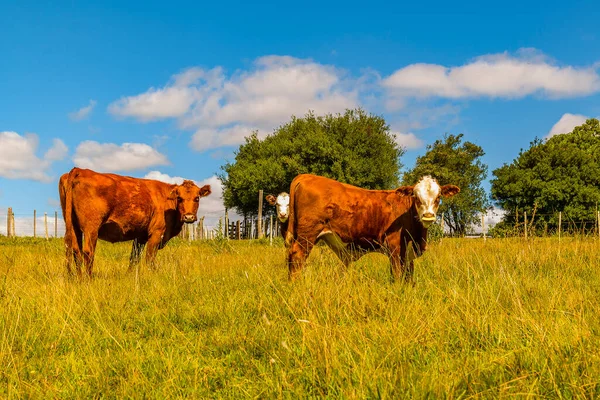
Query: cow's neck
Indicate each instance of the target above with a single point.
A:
(421, 231)
(173, 223)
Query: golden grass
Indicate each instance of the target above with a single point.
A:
(493, 319)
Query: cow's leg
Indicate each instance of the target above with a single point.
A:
(298, 252)
(90, 238)
(136, 252)
(401, 254)
(152, 246)
(403, 266)
(73, 246)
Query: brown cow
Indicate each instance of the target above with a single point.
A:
(354, 221)
(118, 208)
(282, 209)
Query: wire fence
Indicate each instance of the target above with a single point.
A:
(210, 225)
(218, 225)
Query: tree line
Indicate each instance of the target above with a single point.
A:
(561, 173)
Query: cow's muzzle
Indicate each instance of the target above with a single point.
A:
(283, 217)
(189, 218)
(427, 219)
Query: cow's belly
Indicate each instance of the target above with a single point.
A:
(333, 240)
(113, 232)
(337, 244)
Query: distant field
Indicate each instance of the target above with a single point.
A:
(220, 320)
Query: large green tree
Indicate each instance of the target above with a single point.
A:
(353, 147)
(452, 161)
(561, 173)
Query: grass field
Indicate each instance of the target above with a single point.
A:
(490, 319)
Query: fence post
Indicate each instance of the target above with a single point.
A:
(525, 216)
(34, 222)
(271, 230)
(559, 223)
(237, 229)
(12, 223)
(46, 224)
(55, 224)
(8, 221)
(260, 207)
(226, 224)
(483, 225)
(201, 227)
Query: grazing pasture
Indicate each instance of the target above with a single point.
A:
(219, 319)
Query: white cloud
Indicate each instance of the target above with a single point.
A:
(105, 157)
(408, 141)
(155, 104)
(58, 151)
(498, 76)
(18, 159)
(566, 123)
(210, 138)
(223, 109)
(159, 176)
(83, 112)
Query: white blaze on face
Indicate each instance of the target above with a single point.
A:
(427, 194)
(283, 206)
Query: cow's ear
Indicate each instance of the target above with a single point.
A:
(405, 190)
(271, 199)
(205, 191)
(174, 193)
(449, 190)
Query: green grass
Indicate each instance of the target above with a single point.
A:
(501, 318)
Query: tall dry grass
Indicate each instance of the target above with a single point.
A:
(220, 320)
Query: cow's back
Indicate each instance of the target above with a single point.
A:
(122, 207)
(356, 215)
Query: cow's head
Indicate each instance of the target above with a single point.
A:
(282, 204)
(187, 198)
(427, 193)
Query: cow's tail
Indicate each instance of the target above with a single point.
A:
(66, 200)
(292, 224)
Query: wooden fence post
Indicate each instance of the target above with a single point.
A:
(483, 226)
(598, 222)
(559, 223)
(55, 224)
(271, 230)
(237, 230)
(8, 221)
(226, 224)
(34, 222)
(260, 207)
(12, 224)
(46, 224)
(201, 227)
(525, 216)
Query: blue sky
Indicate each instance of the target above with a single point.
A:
(170, 88)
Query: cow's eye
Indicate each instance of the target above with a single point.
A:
(179, 199)
(197, 199)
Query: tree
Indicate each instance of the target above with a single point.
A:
(354, 147)
(561, 173)
(452, 162)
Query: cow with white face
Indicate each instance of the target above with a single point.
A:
(427, 193)
(282, 209)
(282, 205)
(354, 221)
